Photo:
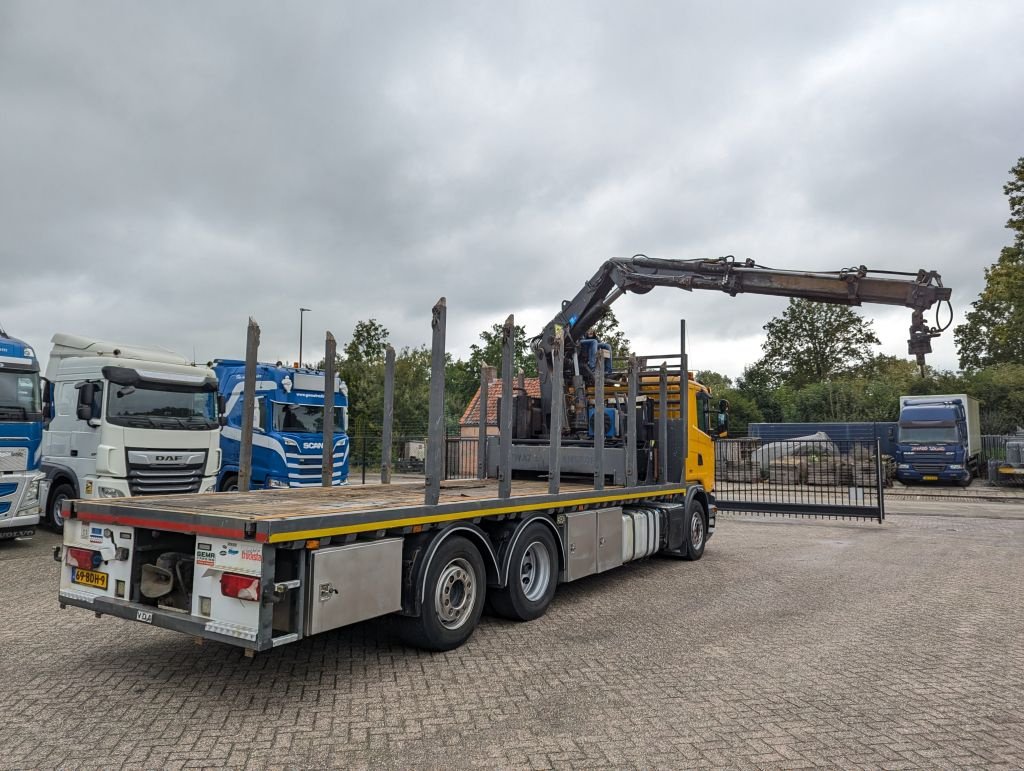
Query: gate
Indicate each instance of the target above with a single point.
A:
(817, 478)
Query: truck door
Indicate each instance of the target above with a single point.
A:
(85, 438)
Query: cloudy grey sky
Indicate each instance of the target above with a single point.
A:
(168, 169)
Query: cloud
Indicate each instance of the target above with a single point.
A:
(170, 170)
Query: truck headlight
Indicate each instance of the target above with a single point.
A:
(276, 483)
(955, 467)
(902, 465)
(32, 491)
(110, 492)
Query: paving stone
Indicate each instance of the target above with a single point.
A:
(790, 645)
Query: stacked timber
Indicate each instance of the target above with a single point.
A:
(823, 470)
(787, 471)
(742, 471)
(734, 461)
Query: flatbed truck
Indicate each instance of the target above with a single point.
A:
(264, 568)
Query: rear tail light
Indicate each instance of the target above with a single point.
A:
(242, 587)
(86, 559)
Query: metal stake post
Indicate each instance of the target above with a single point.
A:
(481, 448)
(663, 424)
(252, 347)
(389, 415)
(505, 419)
(599, 420)
(557, 408)
(327, 467)
(631, 422)
(435, 427)
(684, 396)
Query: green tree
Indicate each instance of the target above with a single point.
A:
(812, 342)
(490, 353)
(993, 331)
(368, 343)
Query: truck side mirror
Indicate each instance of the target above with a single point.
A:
(222, 417)
(86, 394)
(892, 433)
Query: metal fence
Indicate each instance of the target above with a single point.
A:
(460, 457)
(810, 478)
(1002, 459)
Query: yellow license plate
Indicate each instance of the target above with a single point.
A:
(930, 478)
(89, 578)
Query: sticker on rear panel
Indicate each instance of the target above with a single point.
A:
(246, 558)
(95, 535)
(205, 555)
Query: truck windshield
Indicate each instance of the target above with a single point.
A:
(304, 418)
(147, 406)
(929, 435)
(19, 396)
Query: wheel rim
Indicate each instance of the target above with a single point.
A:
(55, 514)
(455, 595)
(535, 571)
(697, 530)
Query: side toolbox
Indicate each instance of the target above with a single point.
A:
(353, 583)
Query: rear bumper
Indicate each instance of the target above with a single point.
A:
(153, 616)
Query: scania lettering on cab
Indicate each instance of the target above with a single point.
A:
(265, 568)
(21, 425)
(938, 439)
(287, 443)
(126, 420)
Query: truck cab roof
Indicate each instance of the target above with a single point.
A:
(73, 354)
(17, 354)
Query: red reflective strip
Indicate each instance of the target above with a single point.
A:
(159, 524)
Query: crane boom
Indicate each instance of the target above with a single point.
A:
(639, 274)
(853, 286)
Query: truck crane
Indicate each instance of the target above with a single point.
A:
(262, 569)
(640, 274)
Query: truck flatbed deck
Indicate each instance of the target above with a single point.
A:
(274, 516)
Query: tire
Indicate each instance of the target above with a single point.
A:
(695, 531)
(966, 482)
(454, 590)
(229, 484)
(532, 576)
(58, 495)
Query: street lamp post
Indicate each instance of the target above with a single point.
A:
(301, 312)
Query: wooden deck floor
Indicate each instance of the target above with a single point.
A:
(314, 501)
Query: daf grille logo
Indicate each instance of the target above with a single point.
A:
(168, 458)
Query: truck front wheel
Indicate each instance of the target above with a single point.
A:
(453, 598)
(696, 529)
(532, 576)
(59, 495)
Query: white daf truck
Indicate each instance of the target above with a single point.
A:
(125, 420)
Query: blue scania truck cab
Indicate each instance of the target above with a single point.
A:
(287, 442)
(21, 432)
(938, 439)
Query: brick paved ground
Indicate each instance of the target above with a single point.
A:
(792, 644)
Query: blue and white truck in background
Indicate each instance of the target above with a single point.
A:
(287, 442)
(21, 429)
(125, 420)
(939, 439)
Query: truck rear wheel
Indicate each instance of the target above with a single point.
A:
(532, 576)
(453, 598)
(229, 484)
(59, 495)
